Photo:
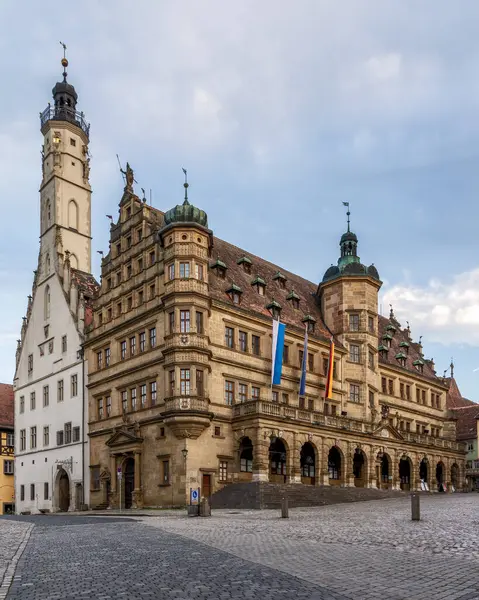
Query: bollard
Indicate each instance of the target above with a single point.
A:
(205, 509)
(415, 507)
(284, 508)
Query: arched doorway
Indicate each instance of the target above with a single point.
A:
(129, 469)
(405, 474)
(454, 477)
(63, 491)
(246, 458)
(440, 477)
(334, 466)
(360, 470)
(277, 461)
(385, 469)
(424, 474)
(308, 464)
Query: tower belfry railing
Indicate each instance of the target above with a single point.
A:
(65, 113)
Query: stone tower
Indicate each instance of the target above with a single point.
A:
(348, 297)
(65, 192)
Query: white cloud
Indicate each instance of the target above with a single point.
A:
(444, 311)
(386, 66)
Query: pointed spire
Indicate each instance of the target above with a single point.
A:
(452, 368)
(185, 185)
(391, 311)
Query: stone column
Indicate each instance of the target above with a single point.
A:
(295, 460)
(324, 462)
(348, 457)
(260, 456)
(137, 496)
(113, 473)
(372, 480)
(395, 483)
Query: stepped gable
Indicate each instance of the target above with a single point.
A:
(89, 287)
(412, 354)
(6, 405)
(251, 299)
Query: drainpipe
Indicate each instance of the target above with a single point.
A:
(82, 354)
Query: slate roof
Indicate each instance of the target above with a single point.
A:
(6, 405)
(250, 298)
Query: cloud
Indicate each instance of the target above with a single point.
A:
(446, 311)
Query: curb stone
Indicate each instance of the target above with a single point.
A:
(10, 572)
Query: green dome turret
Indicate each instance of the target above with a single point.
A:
(186, 212)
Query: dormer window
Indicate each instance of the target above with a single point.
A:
(220, 268)
(274, 308)
(401, 358)
(391, 330)
(387, 340)
(234, 292)
(419, 364)
(405, 347)
(281, 279)
(311, 322)
(293, 298)
(259, 284)
(246, 263)
(383, 351)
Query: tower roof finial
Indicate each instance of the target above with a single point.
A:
(185, 185)
(452, 367)
(348, 212)
(64, 61)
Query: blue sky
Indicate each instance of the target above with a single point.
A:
(280, 111)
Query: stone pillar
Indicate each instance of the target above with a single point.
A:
(348, 457)
(372, 480)
(260, 456)
(396, 483)
(137, 496)
(324, 462)
(113, 473)
(295, 460)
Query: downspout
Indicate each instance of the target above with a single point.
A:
(82, 354)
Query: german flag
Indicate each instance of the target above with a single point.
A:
(329, 379)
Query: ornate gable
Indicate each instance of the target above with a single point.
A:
(386, 431)
(124, 437)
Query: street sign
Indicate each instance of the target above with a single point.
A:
(195, 496)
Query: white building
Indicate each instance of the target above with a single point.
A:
(51, 402)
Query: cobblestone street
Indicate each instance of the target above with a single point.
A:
(354, 551)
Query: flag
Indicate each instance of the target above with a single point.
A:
(277, 354)
(346, 204)
(329, 378)
(302, 384)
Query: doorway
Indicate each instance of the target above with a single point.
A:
(63, 491)
(405, 474)
(129, 481)
(206, 486)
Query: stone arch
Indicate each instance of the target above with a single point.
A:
(245, 457)
(405, 469)
(73, 214)
(424, 472)
(62, 490)
(73, 261)
(336, 465)
(46, 303)
(278, 459)
(385, 470)
(441, 476)
(360, 468)
(455, 476)
(308, 463)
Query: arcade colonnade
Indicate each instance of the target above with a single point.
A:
(285, 457)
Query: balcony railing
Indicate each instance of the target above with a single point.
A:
(189, 285)
(186, 403)
(63, 113)
(186, 340)
(472, 467)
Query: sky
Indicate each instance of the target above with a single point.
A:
(281, 111)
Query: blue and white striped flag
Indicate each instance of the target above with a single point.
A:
(302, 384)
(277, 354)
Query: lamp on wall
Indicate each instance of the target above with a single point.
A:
(185, 452)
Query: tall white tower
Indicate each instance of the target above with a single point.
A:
(65, 192)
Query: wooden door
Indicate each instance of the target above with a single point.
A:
(206, 486)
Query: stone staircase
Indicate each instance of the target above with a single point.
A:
(262, 495)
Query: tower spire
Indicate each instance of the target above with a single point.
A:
(348, 213)
(64, 61)
(185, 185)
(452, 368)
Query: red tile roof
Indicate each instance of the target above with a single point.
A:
(454, 398)
(6, 405)
(466, 427)
(89, 286)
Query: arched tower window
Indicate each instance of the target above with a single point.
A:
(46, 303)
(73, 261)
(48, 212)
(73, 214)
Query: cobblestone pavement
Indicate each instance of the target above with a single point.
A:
(99, 558)
(365, 550)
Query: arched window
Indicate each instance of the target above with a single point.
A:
(73, 214)
(48, 212)
(46, 303)
(73, 261)
(47, 263)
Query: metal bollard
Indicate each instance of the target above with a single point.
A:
(284, 508)
(415, 507)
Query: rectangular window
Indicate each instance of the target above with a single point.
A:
(30, 364)
(128, 241)
(23, 439)
(223, 471)
(74, 385)
(99, 412)
(255, 392)
(229, 337)
(33, 402)
(46, 436)
(300, 357)
(108, 406)
(353, 322)
(184, 321)
(142, 341)
(118, 309)
(22, 493)
(140, 297)
(64, 343)
(286, 355)
(10, 442)
(151, 293)
(275, 397)
(408, 392)
(133, 398)
(60, 395)
(152, 337)
(166, 472)
(171, 383)
(184, 270)
(32, 491)
(123, 350)
(371, 324)
(171, 272)
(285, 398)
(153, 393)
(354, 353)
(391, 387)
(73, 142)
(22, 404)
(229, 392)
(371, 359)
(143, 395)
(325, 365)
(171, 322)
(95, 478)
(59, 438)
(152, 258)
(68, 433)
(107, 357)
(133, 346)
(8, 467)
(199, 322)
(33, 438)
(124, 401)
(335, 369)
(243, 341)
(200, 388)
(46, 394)
(310, 362)
(301, 402)
(76, 434)
(371, 398)
(243, 392)
(354, 392)
(140, 265)
(418, 395)
(199, 272)
(45, 490)
(423, 396)
(185, 382)
(384, 386)
(255, 345)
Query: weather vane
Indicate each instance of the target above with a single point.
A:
(185, 185)
(64, 60)
(348, 213)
